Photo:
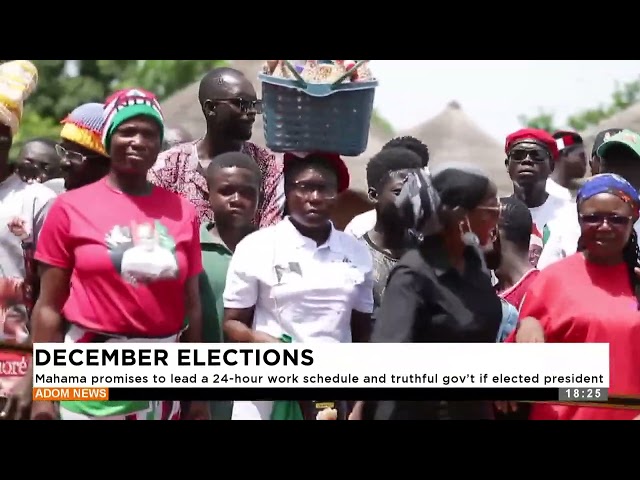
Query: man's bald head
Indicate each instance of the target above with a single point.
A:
(222, 83)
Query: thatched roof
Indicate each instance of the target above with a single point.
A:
(182, 109)
(454, 137)
(628, 118)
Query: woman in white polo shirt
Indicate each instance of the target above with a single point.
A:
(300, 279)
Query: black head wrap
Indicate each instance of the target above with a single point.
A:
(426, 191)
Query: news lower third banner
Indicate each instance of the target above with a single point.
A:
(349, 371)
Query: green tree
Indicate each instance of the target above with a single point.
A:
(623, 97)
(59, 91)
(544, 120)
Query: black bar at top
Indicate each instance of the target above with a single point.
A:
(427, 394)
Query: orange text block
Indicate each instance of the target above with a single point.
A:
(70, 394)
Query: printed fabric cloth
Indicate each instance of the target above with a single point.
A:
(178, 170)
(115, 410)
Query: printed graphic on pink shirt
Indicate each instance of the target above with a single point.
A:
(143, 252)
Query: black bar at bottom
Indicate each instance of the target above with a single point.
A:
(433, 394)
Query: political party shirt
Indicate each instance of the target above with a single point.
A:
(543, 217)
(23, 208)
(577, 301)
(129, 256)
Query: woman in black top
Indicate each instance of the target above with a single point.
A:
(441, 291)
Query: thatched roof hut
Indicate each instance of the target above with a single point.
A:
(628, 118)
(454, 137)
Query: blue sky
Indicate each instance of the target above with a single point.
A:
(494, 92)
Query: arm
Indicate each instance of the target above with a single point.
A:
(209, 312)
(48, 326)
(535, 319)
(361, 322)
(241, 295)
(400, 306)
(55, 254)
(193, 307)
(193, 310)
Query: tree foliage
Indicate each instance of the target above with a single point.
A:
(624, 96)
(64, 84)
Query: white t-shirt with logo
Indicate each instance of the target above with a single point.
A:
(544, 218)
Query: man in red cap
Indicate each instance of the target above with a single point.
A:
(531, 154)
(570, 167)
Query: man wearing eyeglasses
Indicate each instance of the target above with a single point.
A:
(230, 105)
(617, 153)
(531, 154)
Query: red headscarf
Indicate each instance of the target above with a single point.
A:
(534, 135)
(342, 172)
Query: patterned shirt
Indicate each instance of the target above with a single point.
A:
(177, 170)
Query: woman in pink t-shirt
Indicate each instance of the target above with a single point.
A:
(121, 258)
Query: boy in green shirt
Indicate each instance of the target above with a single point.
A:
(234, 181)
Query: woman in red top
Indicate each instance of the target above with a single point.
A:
(593, 295)
(121, 258)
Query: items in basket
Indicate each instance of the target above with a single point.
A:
(320, 71)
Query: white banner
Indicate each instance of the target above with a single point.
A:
(322, 365)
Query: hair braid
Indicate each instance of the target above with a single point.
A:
(631, 256)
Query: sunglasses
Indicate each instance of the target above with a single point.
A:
(520, 155)
(245, 106)
(601, 218)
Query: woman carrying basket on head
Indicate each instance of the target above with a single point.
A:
(277, 286)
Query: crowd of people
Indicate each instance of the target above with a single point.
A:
(125, 231)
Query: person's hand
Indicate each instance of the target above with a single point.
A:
(261, 337)
(530, 331)
(506, 406)
(42, 410)
(18, 227)
(198, 410)
(356, 413)
(19, 401)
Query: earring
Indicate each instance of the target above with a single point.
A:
(468, 237)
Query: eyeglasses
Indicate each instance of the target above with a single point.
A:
(536, 156)
(323, 190)
(498, 209)
(245, 106)
(601, 218)
(71, 156)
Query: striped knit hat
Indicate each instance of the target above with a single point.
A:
(84, 127)
(126, 104)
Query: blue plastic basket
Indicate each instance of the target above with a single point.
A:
(301, 117)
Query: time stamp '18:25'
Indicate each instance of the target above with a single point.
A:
(583, 394)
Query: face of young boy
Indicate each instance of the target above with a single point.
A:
(233, 195)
